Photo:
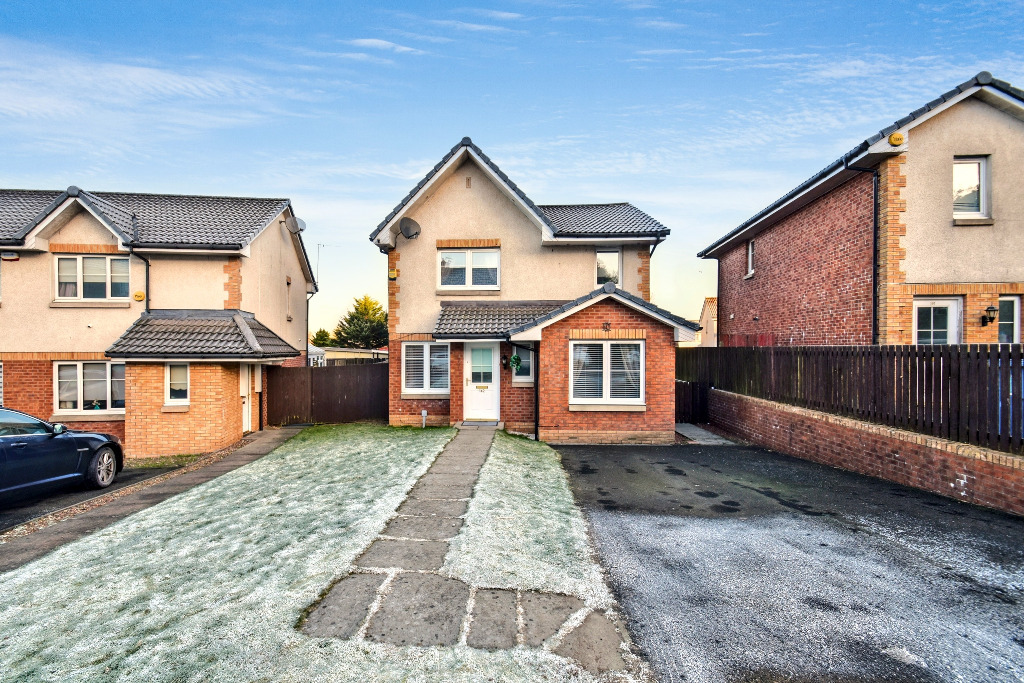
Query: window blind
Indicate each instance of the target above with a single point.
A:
(625, 370)
(588, 370)
(438, 366)
(413, 366)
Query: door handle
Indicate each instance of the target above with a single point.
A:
(19, 445)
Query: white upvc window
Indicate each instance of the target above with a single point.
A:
(525, 371)
(607, 372)
(609, 265)
(425, 368)
(1009, 320)
(80, 278)
(86, 386)
(750, 257)
(469, 269)
(937, 320)
(970, 187)
(177, 390)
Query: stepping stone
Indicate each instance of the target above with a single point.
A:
(442, 492)
(448, 479)
(424, 507)
(341, 613)
(428, 528)
(594, 644)
(494, 620)
(544, 614)
(422, 610)
(386, 553)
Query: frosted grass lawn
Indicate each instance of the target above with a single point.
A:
(523, 529)
(210, 584)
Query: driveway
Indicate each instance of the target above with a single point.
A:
(737, 564)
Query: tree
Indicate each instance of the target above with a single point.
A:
(322, 338)
(364, 327)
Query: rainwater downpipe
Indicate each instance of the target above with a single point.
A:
(131, 252)
(874, 243)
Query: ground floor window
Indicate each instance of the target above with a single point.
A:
(176, 381)
(84, 386)
(425, 368)
(524, 373)
(937, 320)
(1009, 320)
(607, 372)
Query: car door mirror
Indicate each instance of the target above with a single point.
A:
(59, 429)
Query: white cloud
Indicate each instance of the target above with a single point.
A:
(497, 15)
(467, 26)
(661, 24)
(386, 45)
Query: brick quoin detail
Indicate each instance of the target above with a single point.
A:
(560, 425)
(393, 290)
(965, 473)
(213, 419)
(233, 283)
(812, 276)
(644, 271)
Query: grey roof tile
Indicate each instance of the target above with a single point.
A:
(983, 78)
(19, 208)
(490, 319)
(586, 220)
(191, 333)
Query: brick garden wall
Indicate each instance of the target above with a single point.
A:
(560, 425)
(812, 276)
(213, 418)
(967, 473)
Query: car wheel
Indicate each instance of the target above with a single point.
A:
(102, 468)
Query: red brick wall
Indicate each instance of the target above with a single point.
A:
(966, 473)
(407, 411)
(28, 387)
(212, 421)
(295, 362)
(458, 387)
(516, 399)
(812, 276)
(560, 425)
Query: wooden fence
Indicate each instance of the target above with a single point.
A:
(970, 393)
(343, 393)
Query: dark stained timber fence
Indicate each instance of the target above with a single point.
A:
(970, 393)
(343, 393)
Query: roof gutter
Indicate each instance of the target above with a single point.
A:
(211, 247)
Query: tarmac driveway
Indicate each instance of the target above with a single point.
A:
(737, 564)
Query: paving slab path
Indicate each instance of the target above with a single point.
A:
(396, 594)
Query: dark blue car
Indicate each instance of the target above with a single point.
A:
(33, 452)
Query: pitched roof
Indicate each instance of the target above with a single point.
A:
(711, 306)
(607, 288)
(586, 220)
(566, 220)
(487, 319)
(200, 334)
(982, 79)
(149, 219)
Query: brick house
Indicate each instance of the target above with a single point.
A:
(151, 317)
(912, 237)
(481, 277)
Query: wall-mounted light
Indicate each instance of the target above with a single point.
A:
(504, 361)
(989, 316)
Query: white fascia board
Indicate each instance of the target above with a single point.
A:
(388, 238)
(1001, 101)
(598, 241)
(535, 333)
(482, 340)
(34, 241)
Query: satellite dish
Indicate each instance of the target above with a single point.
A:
(410, 228)
(294, 225)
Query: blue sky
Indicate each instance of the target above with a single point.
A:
(700, 113)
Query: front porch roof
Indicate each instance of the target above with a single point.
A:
(488, 319)
(192, 334)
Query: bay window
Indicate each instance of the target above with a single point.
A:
(85, 386)
(607, 372)
(425, 368)
(469, 269)
(92, 277)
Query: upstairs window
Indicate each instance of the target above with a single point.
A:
(425, 368)
(970, 191)
(92, 277)
(750, 257)
(608, 266)
(469, 269)
(1009, 320)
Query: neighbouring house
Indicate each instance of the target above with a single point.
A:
(914, 236)
(708, 335)
(336, 354)
(480, 277)
(152, 317)
(315, 356)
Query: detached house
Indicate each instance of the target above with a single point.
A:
(535, 316)
(914, 236)
(148, 316)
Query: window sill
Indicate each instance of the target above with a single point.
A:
(89, 416)
(522, 383)
(748, 275)
(974, 221)
(179, 408)
(468, 292)
(607, 407)
(98, 303)
(410, 396)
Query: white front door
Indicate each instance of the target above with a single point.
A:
(481, 392)
(245, 391)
